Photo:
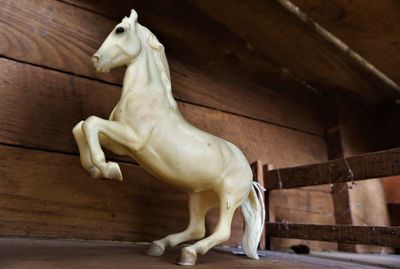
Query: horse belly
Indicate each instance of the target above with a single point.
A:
(191, 168)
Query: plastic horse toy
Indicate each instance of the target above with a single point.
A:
(147, 126)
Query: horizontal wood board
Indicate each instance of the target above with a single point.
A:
(359, 167)
(368, 235)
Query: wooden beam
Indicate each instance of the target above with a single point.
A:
(367, 235)
(351, 21)
(360, 167)
(289, 37)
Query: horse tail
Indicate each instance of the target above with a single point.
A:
(253, 211)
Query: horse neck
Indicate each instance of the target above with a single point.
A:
(142, 72)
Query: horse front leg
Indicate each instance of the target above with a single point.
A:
(116, 131)
(86, 160)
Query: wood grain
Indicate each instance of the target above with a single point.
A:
(29, 94)
(49, 195)
(376, 39)
(334, 140)
(295, 44)
(368, 235)
(47, 104)
(60, 36)
(17, 253)
(365, 166)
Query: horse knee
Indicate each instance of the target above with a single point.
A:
(89, 124)
(77, 130)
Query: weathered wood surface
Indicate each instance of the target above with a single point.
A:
(376, 39)
(29, 95)
(334, 136)
(360, 167)
(228, 78)
(49, 195)
(360, 134)
(63, 37)
(47, 104)
(368, 235)
(297, 45)
(16, 253)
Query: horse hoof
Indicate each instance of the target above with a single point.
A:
(187, 257)
(155, 250)
(114, 172)
(95, 172)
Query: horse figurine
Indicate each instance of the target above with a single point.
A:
(147, 126)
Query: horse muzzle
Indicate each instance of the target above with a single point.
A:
(100, 63)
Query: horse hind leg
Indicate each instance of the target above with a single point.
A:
(199, 204)
(228, 205)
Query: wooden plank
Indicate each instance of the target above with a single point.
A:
(375, 39)
(295, 42)
(302, 201)
(368, 235)
(29, 95)
(22, 253)
(69, 204)
(49, 195)
(39, 33)
(359, 167)
(36, 99)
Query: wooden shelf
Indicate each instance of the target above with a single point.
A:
(18, 253)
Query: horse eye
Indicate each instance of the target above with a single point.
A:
(119, 30)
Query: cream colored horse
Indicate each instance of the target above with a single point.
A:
(147, 126)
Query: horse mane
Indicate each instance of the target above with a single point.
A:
(161, 61)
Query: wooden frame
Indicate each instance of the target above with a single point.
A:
(355, 168)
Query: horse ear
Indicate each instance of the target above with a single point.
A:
(134, 15)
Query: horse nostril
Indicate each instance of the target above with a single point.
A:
(95, 58)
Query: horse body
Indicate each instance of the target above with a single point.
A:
(147, 126)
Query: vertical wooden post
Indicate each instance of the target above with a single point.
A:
(267, 236)
(333, 136)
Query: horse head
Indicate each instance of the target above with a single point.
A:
(121, 46)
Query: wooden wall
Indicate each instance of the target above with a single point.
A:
(47, 85)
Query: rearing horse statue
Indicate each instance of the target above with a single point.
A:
(147, 126)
